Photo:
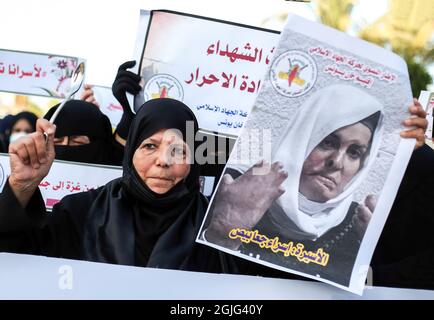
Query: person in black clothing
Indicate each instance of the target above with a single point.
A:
(84, 134)
(5, 131)
(404, 256)
(149, 217)
(22, 124)
(14, 127)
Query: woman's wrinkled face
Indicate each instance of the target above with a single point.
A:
(162, 160)
(23, 126)
(334, 162)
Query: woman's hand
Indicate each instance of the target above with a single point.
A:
(125, 81)
(363, 215)
(88, 95)
(418, 123)
(31, 158)
(242, 202)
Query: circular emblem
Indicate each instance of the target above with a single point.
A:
(293, 73)
(163, 86)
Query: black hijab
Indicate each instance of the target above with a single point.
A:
(5, 132)
(83, 118)
(31, 118)
(130, 224)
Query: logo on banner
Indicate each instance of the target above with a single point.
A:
(293, 73)
(163, 86)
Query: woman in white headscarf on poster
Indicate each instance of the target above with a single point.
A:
(321, 160)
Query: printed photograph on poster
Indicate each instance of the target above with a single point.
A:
(334, 109)
(213, 66)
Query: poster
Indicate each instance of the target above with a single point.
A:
(331, 106)
(108, 104)
(213, 66)
(36, 73)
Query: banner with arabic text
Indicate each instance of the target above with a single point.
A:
(213, 66)
(66, 178)
(36, 73)
(108, 104)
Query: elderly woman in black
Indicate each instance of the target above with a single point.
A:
(149, 217)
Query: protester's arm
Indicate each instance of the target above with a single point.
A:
(31, 230)
(125, 81)
(416, 272)
(31, 158)
(15, 218)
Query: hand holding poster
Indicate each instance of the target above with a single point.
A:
(333, 106)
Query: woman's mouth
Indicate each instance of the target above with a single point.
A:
(162, 178)
(327, 181)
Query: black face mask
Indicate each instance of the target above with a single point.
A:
(80, 118)
(89, 153)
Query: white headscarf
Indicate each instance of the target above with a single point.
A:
(324, 112)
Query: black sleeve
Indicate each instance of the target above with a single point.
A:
(415, 272)
(13, 217)
(32, 230)
(404, 256)
(113, 152)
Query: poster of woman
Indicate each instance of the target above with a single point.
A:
(334, 106)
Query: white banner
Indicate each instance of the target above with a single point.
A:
(36, 73)
(215, 67)
(108, 104)
(66, 178)
(36, 277)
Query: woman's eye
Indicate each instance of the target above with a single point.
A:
(355, 152)
(149, 146)
(179, 152)
(327, 143)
